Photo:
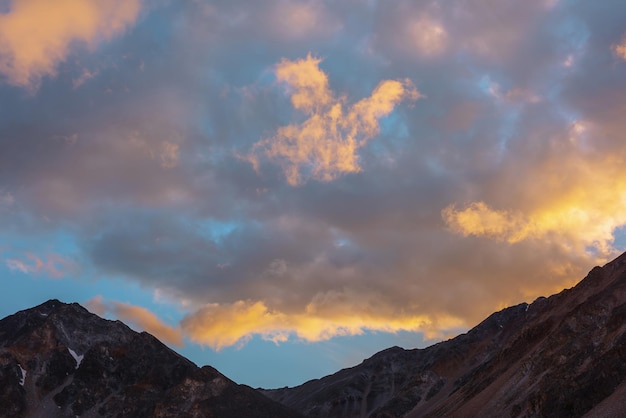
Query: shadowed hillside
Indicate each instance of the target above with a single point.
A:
(559, 356)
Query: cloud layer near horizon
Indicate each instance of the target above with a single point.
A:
(306, 170)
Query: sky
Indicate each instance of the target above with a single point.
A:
(280, 189)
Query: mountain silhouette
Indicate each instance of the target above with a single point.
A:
(59, 360)
(561, 356)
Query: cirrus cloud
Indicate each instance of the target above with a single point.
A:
(52, 265)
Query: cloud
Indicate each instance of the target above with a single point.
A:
(279, 21)
(220, 326)
(427, 35)
(7, 200)
(292, 20)
(53, 265)
(569, 192)
(36, 36)
(166, 151)
(620, 49)
(576, 221)
(325, 145)
(483, 196)
(169, 154)
(495, 32)
(139, 317)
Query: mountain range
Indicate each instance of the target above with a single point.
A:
(564, 355)
(59, 360)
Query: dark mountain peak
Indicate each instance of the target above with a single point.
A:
(55, 306)
(563, 355)
(54, 323)
(48, 305)
(60, 360)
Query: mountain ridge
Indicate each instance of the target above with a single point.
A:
(60, 360)
(560, 355)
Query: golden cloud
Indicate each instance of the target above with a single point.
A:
(222, 325)
(584, 223)
(325, 145)
(36, 35)
(139, 317)
(572, 195)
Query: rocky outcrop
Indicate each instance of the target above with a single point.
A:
(59, 360)
(559, 356)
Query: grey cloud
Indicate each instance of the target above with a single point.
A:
(90, 156)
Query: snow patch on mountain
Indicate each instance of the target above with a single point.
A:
(23, 379)
(78, 358)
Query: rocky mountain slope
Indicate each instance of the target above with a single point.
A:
(559, 356)
(59, 360)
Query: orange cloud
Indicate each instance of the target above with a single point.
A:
(479, 219)
(36, 35)
(139, 317)
(620, 49)
(221, 325)
(587, 224)
(575, 196)
(325, 145)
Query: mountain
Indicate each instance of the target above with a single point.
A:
(559, 356)
(59, 360)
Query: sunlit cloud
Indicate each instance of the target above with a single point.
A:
(572, 195)
(52, 265)
(620, 48)
(325, 145)
(223, 325)
(37, 35)
(136, 154)
(139, 317)
(590, 225)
